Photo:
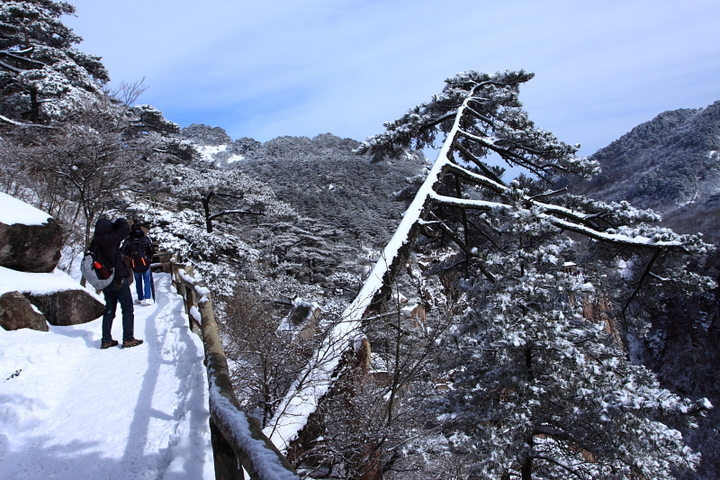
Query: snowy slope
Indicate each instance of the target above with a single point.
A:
(69, 410)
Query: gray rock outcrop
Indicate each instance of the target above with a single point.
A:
(67, 307)
(31, 248)
(17, 312)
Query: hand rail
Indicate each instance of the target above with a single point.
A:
(237, 438)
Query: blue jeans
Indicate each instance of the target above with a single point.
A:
(142, 284)
(118, 291)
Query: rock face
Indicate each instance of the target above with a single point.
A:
(206, 135)
(17, 312)
(68, 307)
(30, 248)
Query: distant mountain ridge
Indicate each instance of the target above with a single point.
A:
(348, 206)
(322, 178)
(670, 164)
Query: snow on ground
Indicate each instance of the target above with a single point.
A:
(69, 410)
(208, 152)
(36, 283)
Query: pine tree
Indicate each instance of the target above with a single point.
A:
(223, 192)
(537, 389)
(41, 74)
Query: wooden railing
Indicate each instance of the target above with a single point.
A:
(237, 438)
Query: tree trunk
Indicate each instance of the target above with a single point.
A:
(206, 210)
(526, 473)
(34, 107)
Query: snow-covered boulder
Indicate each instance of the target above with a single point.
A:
(57, 295)
(30, 240)
(17, 312)
(68, 307)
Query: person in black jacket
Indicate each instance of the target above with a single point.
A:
(138, 247)
(108, 236)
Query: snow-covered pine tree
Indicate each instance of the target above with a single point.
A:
(69, 145)
(40, 72)
(536, 388)
(541, 391)
(220, 193)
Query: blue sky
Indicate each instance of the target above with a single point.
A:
(273, 68)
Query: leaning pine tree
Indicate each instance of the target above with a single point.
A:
(541, 387)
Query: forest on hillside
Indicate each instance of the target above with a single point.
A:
(387, 316)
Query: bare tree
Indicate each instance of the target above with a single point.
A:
(267, 354)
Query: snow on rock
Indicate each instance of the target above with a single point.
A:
(14, 211)
(208, 152)
(213, 153)
(36, 283)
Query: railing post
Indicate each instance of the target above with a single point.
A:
(227, 465)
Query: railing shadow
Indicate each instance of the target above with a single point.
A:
(71, 461)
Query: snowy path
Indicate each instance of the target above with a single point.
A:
(69, 410)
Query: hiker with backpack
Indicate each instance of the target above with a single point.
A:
(138, 248)
(105, 249)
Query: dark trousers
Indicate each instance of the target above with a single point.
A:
(118, 291)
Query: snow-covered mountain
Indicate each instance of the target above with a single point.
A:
(670, 164)
(347, 204)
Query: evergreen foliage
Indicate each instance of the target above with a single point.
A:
(506, 322)
(360, 199)
(41, 74)
(541, 384)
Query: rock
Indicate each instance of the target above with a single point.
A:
(30, 243)
(30, 248)
(206, 135)
(17, 312)
(68, 307)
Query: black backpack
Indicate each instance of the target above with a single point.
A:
(139, 261)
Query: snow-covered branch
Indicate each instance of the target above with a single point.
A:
(23, 124)
(231, 212)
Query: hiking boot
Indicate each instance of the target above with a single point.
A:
(131, 343)
(108, 344)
